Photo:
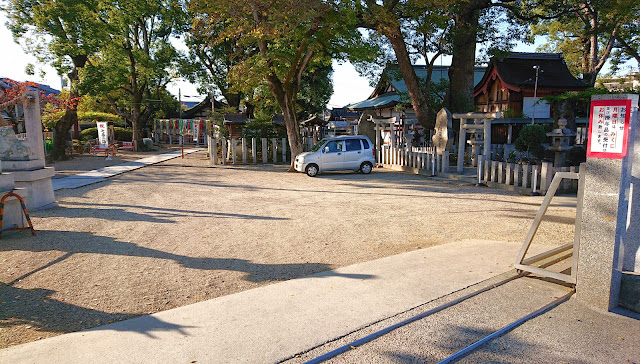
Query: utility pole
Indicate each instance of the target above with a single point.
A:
(535, 94)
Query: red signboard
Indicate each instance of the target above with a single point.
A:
(608, 129)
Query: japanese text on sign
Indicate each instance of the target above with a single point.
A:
(608, 129)
(103, 136)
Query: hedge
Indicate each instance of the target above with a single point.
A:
(121, 134)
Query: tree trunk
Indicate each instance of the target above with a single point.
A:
(70, 117)
(135, 123)
(461, 73)
(62, 128)
(418, 99)
(285, 97)
(293, 131)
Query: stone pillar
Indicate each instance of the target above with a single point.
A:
(462, 144)
(254, 152)
(609, 239)
(487, 136)
(546, 176)
(33, 127)
(244, 150)
(224, 151)
(265, 150)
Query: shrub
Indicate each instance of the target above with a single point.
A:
(122, 134)
(576, 155)
(530, 140)
(87, 134)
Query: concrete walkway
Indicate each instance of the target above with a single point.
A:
(275, 322)
(99, 175)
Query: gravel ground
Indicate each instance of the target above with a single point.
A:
(178, 232)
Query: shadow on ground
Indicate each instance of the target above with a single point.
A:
(72, 242)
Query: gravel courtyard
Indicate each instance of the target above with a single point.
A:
(178, 232)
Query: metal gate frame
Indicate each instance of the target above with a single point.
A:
(526, 264)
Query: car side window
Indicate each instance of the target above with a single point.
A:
(334, 146)
(365, 143)
(353, 144)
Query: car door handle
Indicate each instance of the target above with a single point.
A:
(339, 153)
(359, 152)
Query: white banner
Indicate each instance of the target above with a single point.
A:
(103, 135)
(196, 130)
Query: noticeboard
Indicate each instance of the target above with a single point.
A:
(608, 135)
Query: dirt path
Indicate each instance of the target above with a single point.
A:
(178, 232)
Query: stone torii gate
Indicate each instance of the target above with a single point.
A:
(481, 125)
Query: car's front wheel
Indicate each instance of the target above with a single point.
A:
(312, 170)
(366, 168)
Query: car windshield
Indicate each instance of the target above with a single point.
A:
(318, 145)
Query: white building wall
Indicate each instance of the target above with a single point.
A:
(542, 108)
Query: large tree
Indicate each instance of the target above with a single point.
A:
(210, 59)
(387, 19)
(589, 32)
(282, 41)
(138, 59)
(63, 33)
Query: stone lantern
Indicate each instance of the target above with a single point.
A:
(560, 141)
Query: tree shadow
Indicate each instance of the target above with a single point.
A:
(36, 308)
(72, 242)
(152, 214)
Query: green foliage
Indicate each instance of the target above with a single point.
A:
(87, 134)
(51, 118)
(576, 155)
(530, 140)
(588, 33)
(120, 134)
(262, 129)
(123, 134)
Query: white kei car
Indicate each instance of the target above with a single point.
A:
(353, 152)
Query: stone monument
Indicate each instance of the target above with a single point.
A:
(25, 159)
(443, 131)
(366, 126)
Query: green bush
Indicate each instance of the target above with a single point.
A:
(576, 155)
(87, 134)
(530, 140)
(262, 129)
(49, 119)
(122, 134)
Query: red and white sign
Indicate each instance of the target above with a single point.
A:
(103, 135)
(609, 129)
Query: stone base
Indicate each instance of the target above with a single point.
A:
(13, 214)
(39, 190)
(7, 182)
(16, 166)
(630, 291)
